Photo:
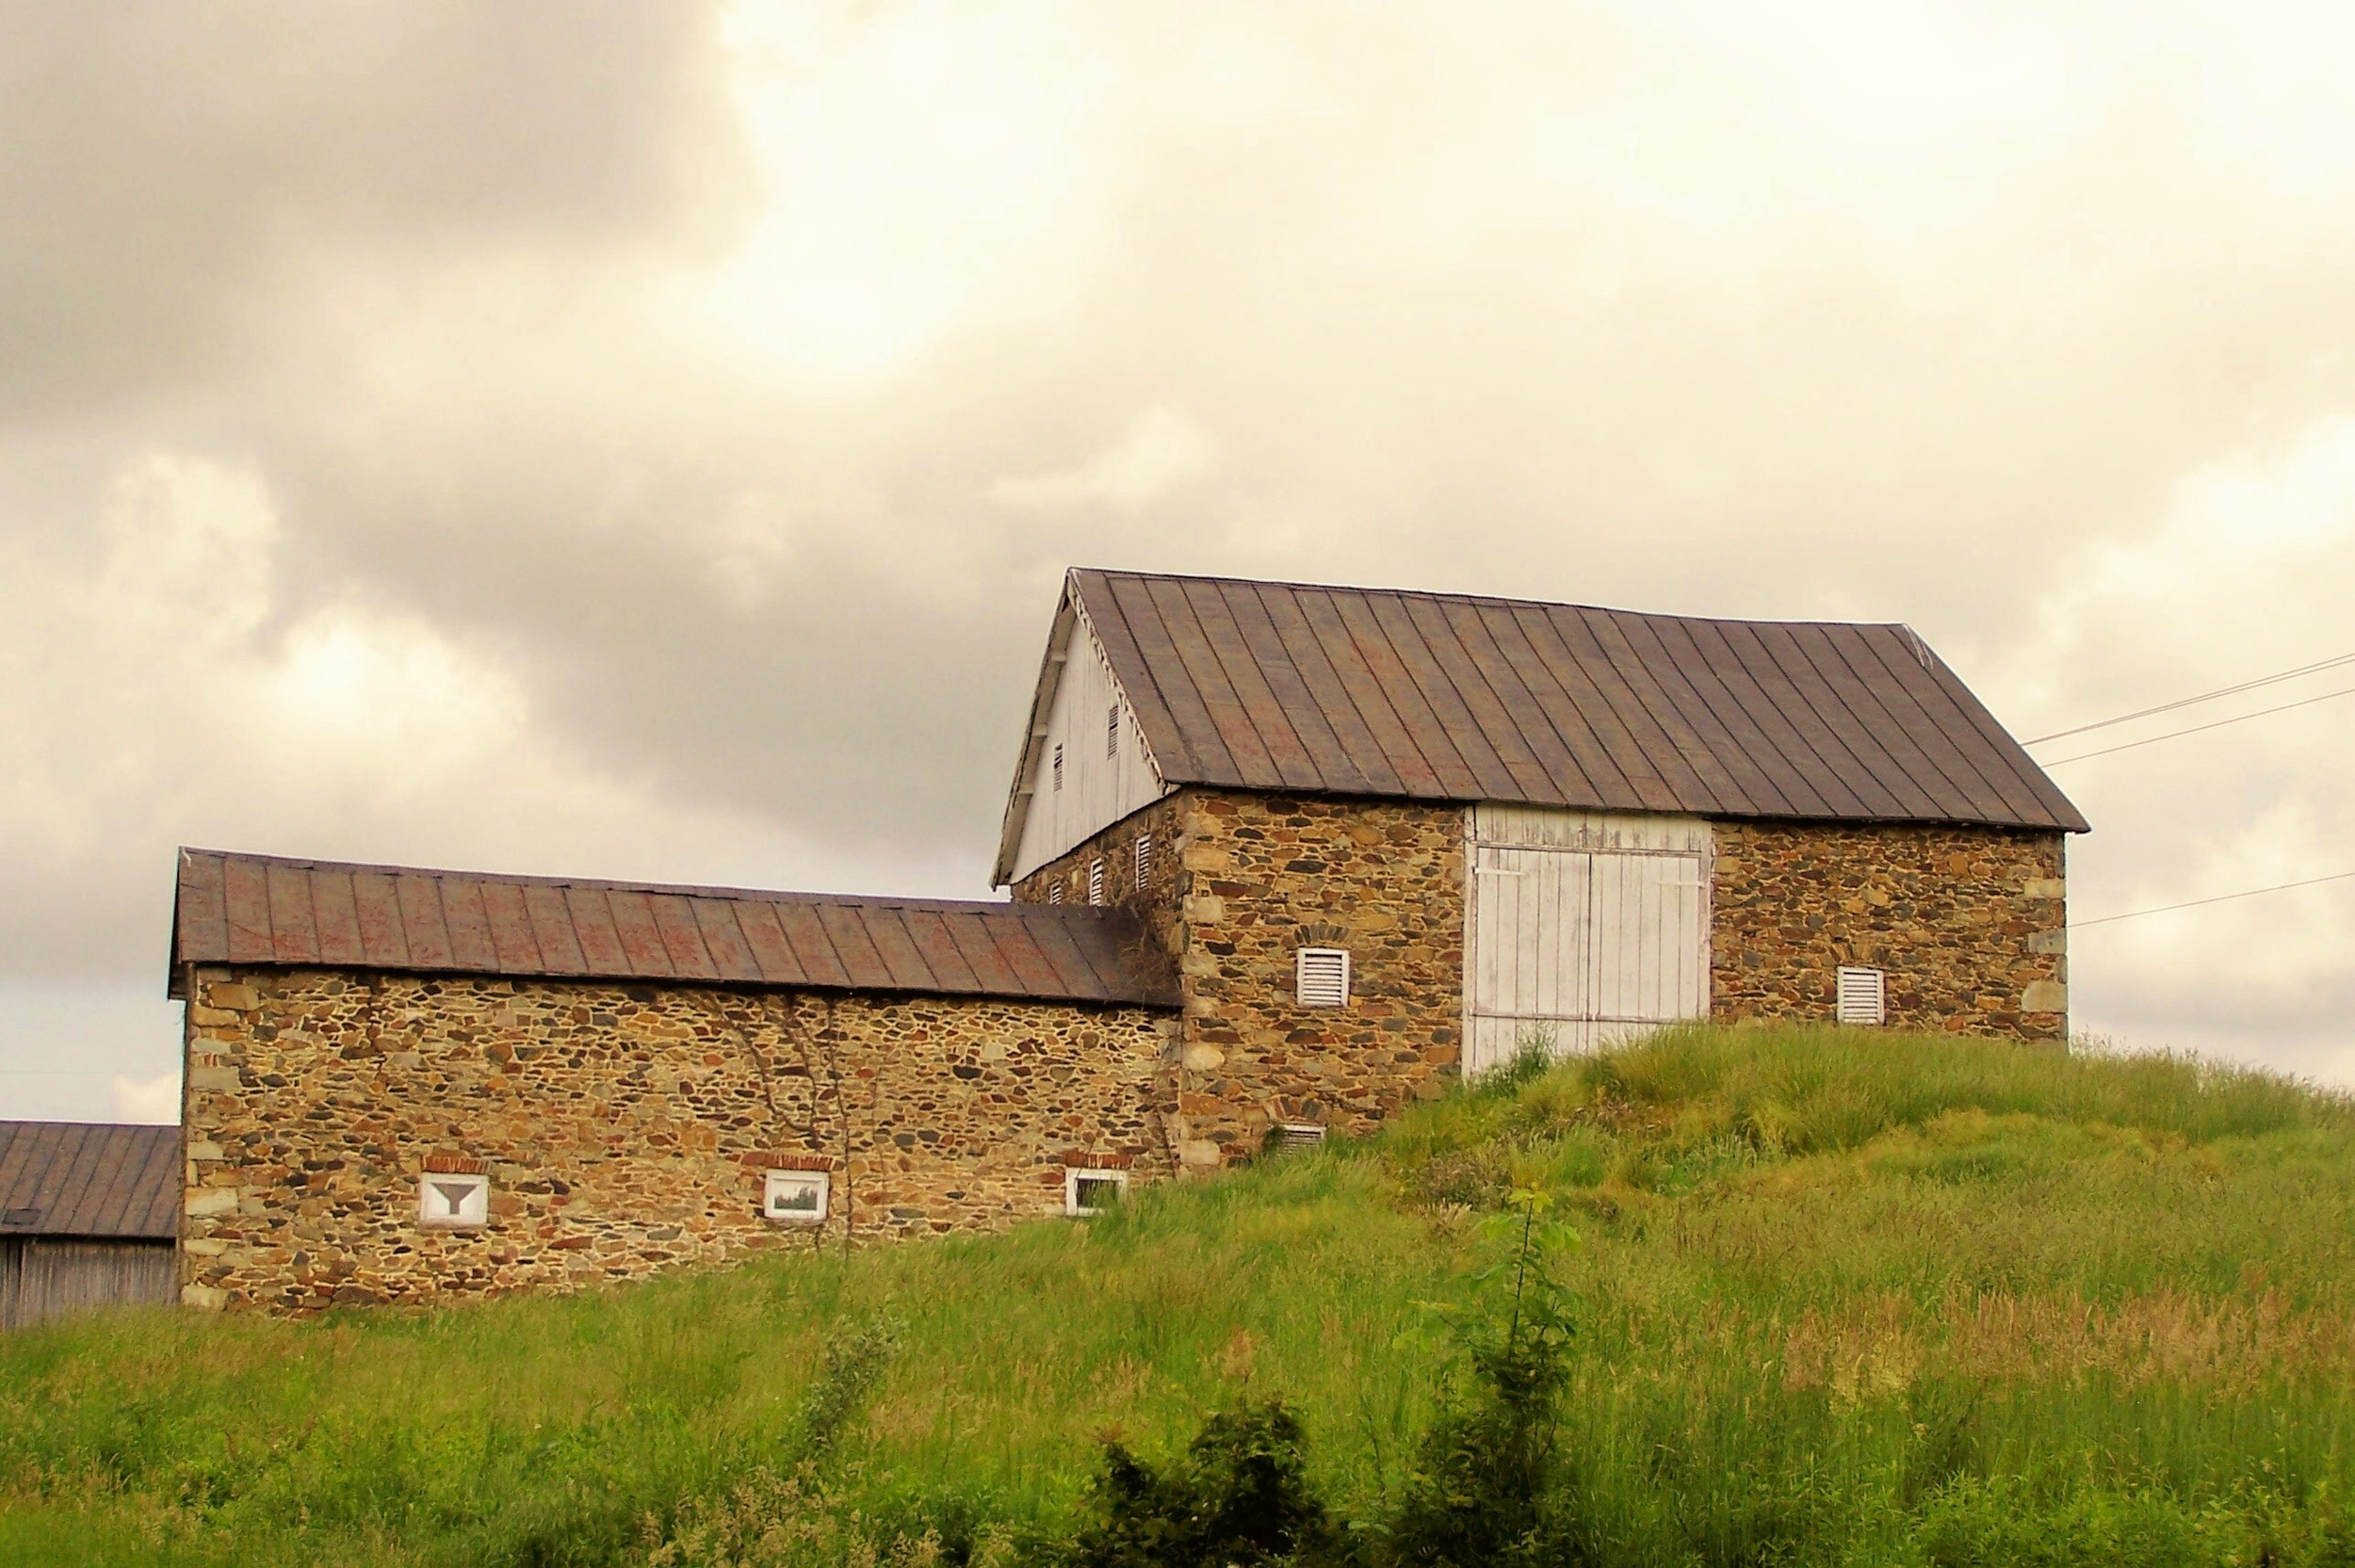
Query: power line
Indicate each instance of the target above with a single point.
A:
(2204, 696)
(2346, 691)
(2220, 899)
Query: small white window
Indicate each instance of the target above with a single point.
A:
(1054, 891)
(1059, 766)
(453, 1201)
(1088, 1191)
(1320, 977)
(1299, 1135)
(1095, 882)
(1144, 859)
(1863, 996)
(797, 1197)
(1112, 731)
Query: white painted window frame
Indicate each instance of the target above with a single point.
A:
(1074, 1174)
(779, 1181)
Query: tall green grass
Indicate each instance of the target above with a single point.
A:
(1842, 1297)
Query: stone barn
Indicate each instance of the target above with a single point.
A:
(1283, 858)
(1386, 835)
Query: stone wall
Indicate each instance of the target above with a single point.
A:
(1242, 880)
(1969, 923)
(627, 1128)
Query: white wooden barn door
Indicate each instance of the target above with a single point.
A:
(1581, 926)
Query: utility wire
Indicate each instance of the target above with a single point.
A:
(2220, 899)
(2204, 696)
(2344, 692)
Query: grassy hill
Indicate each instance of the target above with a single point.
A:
(1838, 1297)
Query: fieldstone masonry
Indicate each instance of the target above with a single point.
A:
(1250, 879)
(1970, 924)
(625, 1128)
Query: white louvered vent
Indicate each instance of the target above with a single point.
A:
(1863, 996)
(1144, 859)
(1320, 977)
(1112, 731)
(1059, 766)
(1095, 882)
(1299, 1135)
(1054, 891)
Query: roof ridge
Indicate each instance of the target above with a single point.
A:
(685, 890)
(1461, 597)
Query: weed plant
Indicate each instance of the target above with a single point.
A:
(1839, 1296)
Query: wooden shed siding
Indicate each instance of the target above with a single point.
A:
(43, 1279)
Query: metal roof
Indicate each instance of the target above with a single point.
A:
(89, 1179)
(1448, 697)
(237, 908)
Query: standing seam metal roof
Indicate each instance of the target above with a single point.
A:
(89, 1179)
(1430, 696)
(234, 909)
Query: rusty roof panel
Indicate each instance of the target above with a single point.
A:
(513, 949)
(731, 955)
(380, 934)
(929, 929)
(846, 928)
(977, 947)
(813, 949)
(339, 918)
(89, 1179)
(294, 935)
(247, 896)
(200, 915)
(772, 953)
(897, 949)
(575, 930)
(681, 943)
(544, 927)
(643, 952)
(420, 901)
(469, 921)
(1287, 686)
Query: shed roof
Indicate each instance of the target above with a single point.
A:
(1449, 697)
(89, 1179)
(261, 910)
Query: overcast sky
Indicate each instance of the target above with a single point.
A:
(648, 445)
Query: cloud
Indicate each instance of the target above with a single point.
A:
(155, 1099)
(1160, 452)
(658, 457)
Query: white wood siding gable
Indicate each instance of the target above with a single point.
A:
(1106, 771)
(1583, 926)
